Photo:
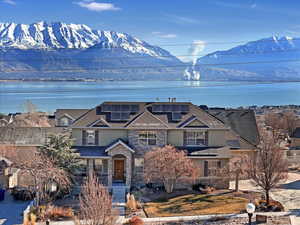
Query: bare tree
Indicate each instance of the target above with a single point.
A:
(41, 169)
(95, 204)
(168, 165)
(291, 121)
(269, 167)
(282, 124)
(238, 168)
(274, 122)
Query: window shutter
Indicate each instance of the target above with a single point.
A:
(83, 137)
(206, 168)
(206, 138)
(96, 137)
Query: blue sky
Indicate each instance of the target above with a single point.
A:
(171, 24)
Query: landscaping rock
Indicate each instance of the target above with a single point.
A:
(261, 219)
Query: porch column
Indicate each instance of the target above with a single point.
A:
(90, 167)
(110, 171)
(128, 170)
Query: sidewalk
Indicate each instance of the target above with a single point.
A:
(119, 201)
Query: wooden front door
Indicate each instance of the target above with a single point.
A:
(119, 170)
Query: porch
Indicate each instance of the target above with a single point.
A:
(111, 164)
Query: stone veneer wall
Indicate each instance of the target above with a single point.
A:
(128, 163)
(141, 150)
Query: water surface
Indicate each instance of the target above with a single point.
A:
(49, 96)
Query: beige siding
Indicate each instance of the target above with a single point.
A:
(106, 137)
(216, 138)
(175, 137)
(295, 142)
(77, 136)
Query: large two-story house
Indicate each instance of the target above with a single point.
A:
(112, 138)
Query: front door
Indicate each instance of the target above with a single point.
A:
(119, 170)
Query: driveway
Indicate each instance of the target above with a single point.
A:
(288, 193)
(11, 211)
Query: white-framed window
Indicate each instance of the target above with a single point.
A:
(147, 138)
(64, 121)
(90, 137)
(195, 138)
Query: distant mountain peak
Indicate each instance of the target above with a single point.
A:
(58, 35)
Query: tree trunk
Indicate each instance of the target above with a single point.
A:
(169, 185)
(237, 177)
(267, 197)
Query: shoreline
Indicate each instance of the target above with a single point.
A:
(112, 80)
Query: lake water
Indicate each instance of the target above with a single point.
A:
(49, 96)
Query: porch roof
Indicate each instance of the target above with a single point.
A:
(91, 151)
(206, 151)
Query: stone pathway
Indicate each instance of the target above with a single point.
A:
(119, 200)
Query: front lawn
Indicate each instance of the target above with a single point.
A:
(195, 204)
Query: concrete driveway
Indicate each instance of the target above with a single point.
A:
(288, 193)
(11, 211)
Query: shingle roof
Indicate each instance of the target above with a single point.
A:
(91, 151)
(296, 133)
(206, 151)
(242, 122)
(96, 151)
(74, 113)
(145, 108)
(27, 135)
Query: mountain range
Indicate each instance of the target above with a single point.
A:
(274, 58)
(59, 50)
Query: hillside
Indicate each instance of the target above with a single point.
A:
(60, 50)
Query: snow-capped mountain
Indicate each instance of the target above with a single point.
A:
(44, 47)
(273, 58)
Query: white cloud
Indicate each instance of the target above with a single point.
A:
(196, 47)
(11, 2)
(253, 5)
(163, 35)
(181, 19)
(97, 6)
(240, 4)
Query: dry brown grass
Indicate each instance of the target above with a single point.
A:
(195, 204)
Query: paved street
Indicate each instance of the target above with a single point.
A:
(11, 211)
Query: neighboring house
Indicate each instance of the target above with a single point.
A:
(295, 138)
(5, 120)
(8, 174)
(112, 138)
(17, 141)
(65, 117)
(27, 136)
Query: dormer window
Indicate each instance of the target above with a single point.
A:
(147, 138)
(64, 121)
(195, 138)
